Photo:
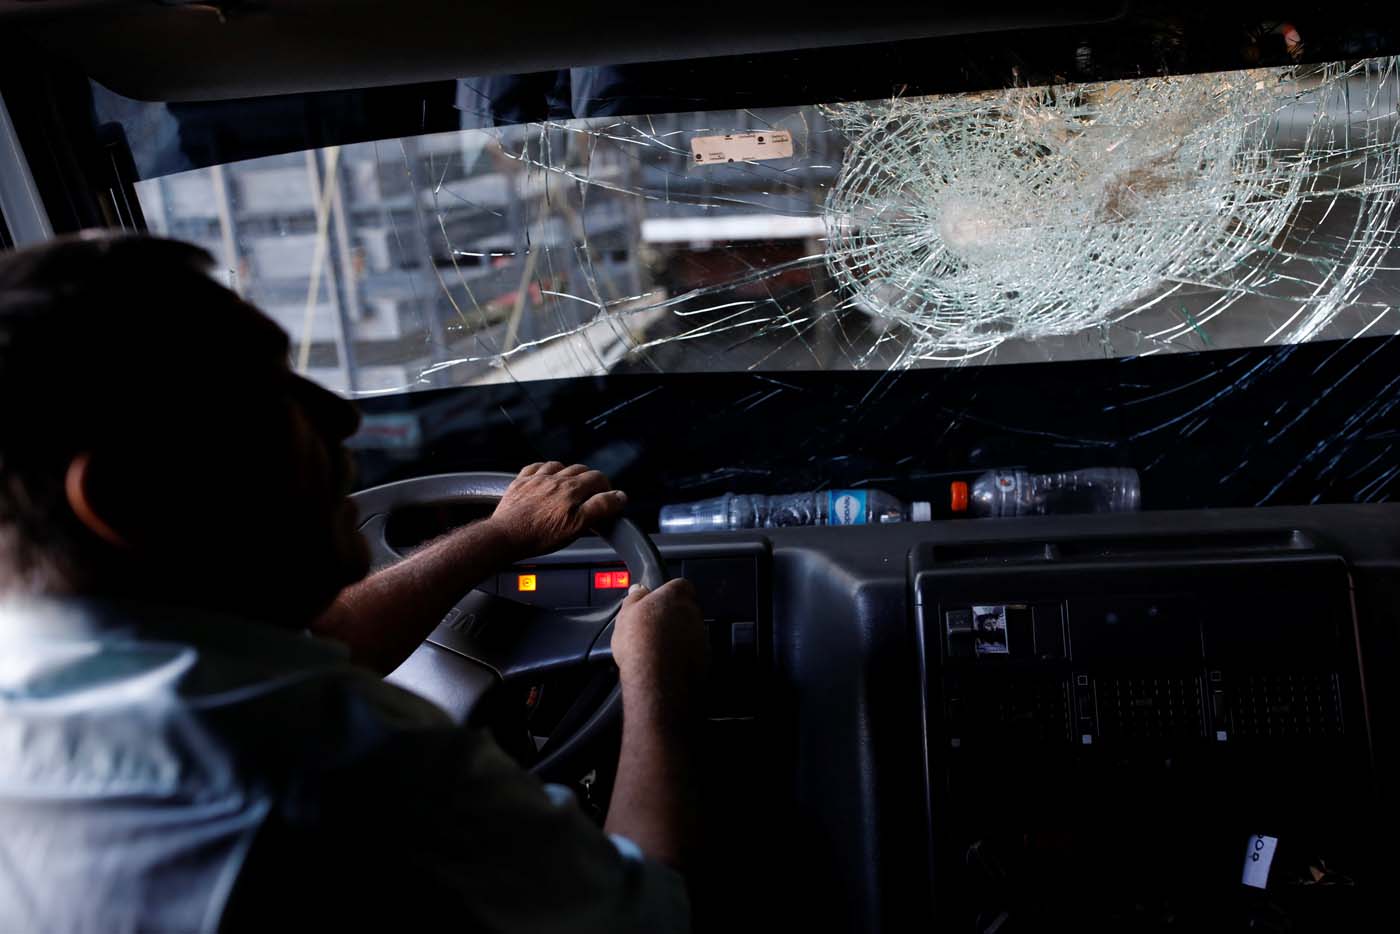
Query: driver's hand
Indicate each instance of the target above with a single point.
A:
(661, 650)
(549, 505)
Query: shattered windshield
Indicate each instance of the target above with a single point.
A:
(1031, 224)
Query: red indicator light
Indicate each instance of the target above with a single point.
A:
(611, 580)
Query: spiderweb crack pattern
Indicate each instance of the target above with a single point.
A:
(1032, 212)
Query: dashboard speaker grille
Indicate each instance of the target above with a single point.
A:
(1287, 704)
(1031, 709)
(1150, 707)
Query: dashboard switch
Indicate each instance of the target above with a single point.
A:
(611, 580)
(958, 624)
(1084, 704)
(608, 587)
(728, 587)
(1049, 630)
(546, 586)
(743, 640)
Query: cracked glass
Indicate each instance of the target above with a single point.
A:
(1031, 224)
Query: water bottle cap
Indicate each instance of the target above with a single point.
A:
(921, 512)
(959, 491)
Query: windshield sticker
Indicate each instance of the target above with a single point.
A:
(741, 147)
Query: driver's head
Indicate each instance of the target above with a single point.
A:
(154, 443)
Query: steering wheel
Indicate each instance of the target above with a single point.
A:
(488, 640)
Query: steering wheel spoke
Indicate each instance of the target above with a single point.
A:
(517, 640)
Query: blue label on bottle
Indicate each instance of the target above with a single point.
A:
(845, 507)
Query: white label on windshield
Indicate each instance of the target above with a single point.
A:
(1257, 859)
(742, 147)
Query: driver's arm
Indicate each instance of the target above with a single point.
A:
(659, 645)
(385, 617)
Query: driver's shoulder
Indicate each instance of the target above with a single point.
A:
(248, 680)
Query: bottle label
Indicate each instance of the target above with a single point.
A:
(846, 507)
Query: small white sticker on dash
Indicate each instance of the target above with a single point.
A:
(742, 147)
(1258, 857)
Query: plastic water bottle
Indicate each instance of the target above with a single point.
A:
(757, 511)
(1020, 493)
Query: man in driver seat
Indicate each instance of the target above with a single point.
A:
(178, 751)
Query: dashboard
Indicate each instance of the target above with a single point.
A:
(1154, 721)
(1137, 726)
(732, 578)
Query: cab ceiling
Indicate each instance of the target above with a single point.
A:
(178, 51)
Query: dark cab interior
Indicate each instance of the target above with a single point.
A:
(1186, 692)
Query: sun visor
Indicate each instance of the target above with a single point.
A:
(176, 51)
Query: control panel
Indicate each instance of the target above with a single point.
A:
(1158, 657)
(731, 585)
(1110, 725)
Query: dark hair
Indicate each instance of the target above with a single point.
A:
(86, 325)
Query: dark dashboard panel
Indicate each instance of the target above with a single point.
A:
(1197, 702)
(732, 580)
(838, 800)
(1155, 813)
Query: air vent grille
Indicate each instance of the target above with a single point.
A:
(1287, 705)
(1029, 709)
(1149, 707)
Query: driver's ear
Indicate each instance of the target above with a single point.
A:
(77, 487)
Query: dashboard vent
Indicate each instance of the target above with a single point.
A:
(1290, 705)
(1109, 546)
(1029, 709)
(1150, 707)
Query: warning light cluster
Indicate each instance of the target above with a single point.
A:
(611, 580)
